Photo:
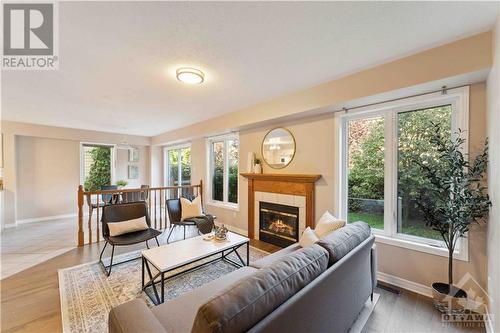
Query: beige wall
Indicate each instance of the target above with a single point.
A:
(18, 148)
(122, 164)
(47, 172)
(310, 157)
(494, 180)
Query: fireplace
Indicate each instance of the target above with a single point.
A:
(278, 224)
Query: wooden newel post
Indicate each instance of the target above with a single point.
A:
(80, 216)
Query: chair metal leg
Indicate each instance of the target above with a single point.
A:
(147, 245)
(170, 233)
(157, 243)
(108, 272)
(100, 257)
(184, 232)
(111, 262)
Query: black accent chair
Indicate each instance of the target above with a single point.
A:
(174, 215)
(123, 212)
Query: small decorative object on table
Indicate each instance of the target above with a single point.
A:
(220, 234)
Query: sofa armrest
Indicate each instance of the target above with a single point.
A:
(133, 317)
(374, 266)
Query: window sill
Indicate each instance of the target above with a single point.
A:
(224, 205)
(421, 247)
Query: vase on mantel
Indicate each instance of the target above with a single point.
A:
(257, 168)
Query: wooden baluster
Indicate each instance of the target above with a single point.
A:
(97, 218)
(80, 216)
(160, 211)
(155, 210)
(165, 203)
(89, 202)
(150, 192)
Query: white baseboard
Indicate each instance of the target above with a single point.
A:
(236, 230)
(45, 218)
(405, 284)
(8, 226)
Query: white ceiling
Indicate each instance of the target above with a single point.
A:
(117, 58)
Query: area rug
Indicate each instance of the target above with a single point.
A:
(87, 294)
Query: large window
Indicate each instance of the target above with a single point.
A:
(178, 165)
(381, 151)
(223, 169)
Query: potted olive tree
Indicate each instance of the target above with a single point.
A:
(456, 200)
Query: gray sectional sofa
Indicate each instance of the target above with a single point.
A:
(320, 288)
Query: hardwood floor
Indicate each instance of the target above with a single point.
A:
(30, 299)
(410, 313)
(32, 243)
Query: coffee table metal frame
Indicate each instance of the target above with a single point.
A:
(159, 298)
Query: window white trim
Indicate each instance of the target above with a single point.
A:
(113, 159)
(458, 98)
(216, 203)
(166, 166)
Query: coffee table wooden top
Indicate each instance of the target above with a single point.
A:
(173, 255)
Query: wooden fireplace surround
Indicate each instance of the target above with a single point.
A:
(292, 184)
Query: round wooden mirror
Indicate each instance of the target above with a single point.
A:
(278, 148)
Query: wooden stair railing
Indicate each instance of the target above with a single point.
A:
(155, 198)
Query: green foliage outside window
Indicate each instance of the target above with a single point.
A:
(366, 166)
(173, 162)
(218, 171)
(100, 169)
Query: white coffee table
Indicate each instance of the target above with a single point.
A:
(169, 257)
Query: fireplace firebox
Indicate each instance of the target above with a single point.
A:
(278, 224)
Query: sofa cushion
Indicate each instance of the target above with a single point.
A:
(133, 316)
(270, 259)
(308, 238)
(327, 223)
(239, 307)
(177, 315)
(343, 240)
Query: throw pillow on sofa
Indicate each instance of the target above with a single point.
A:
(308, 238)
(328, 223)
(191, 209)
(120, 228)
(242, 305)
(342, 241)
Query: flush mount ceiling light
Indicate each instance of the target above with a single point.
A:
(190, 75)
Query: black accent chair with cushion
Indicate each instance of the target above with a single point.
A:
(121, 213)
(174, 215)
(174, 209)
